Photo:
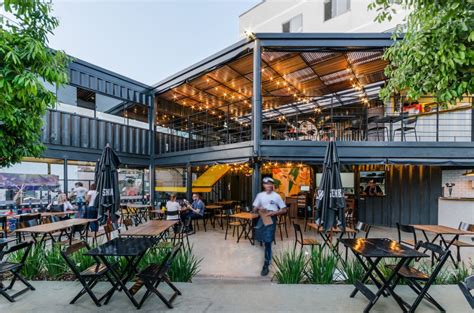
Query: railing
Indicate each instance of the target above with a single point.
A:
(72, 130)
(371, 122)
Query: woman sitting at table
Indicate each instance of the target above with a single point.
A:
(61, 205)
(172, 208)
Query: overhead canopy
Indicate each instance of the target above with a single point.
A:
(305, 79)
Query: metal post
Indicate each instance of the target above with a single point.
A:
(257, 98)
(190, 133)
(472, 118)
(227, 123)
(65, 176)
(437, 121)
(152, 125)
(256, 181)
(189, 181)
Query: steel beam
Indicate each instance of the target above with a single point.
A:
(152, 140)
(256, 179)
(257, 98)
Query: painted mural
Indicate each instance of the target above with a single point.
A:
(288, 180)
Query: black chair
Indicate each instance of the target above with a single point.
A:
(419, 281)
(466, 286)
(355, 130)
(14, 269)
(363, 227)
(303, 241)
(153, 275)
(28, 220)
(462, 244)
(377, 128)
(3, 227)
(406, 229)
(182, 234)
(409, 126)
(88, 277)
(281, 222)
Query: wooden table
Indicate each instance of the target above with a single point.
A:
(247, 226)
(214, 207)
(43, 214)
(153, 228)
(439, 231)
(227, 202)
(137, 212)
(48, 229)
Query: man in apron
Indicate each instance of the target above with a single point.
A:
(270, 204)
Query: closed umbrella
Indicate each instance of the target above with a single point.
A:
(106, 179)
(330, 202)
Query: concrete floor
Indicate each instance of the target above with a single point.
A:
(214, 295)
(229, 259)
(230, 281)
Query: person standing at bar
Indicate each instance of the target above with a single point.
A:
(268, 203)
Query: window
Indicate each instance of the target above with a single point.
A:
(333, 8)
(295, 25)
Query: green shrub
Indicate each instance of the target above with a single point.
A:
(54, 264)
(290, 267)
(184, 267)
(321, 266)
(34, 263)
(354, 271)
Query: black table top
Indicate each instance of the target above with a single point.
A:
(123, 247)
(381, 247)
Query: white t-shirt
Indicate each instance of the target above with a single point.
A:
(93, 195)
(172, 206)
(80, 192)
(269, 201)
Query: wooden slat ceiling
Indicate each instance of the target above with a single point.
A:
(286, 76)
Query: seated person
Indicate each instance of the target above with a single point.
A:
(194, 210)
(172, 208)
(61, 205)
(372, 189)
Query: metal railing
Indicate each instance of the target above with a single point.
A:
(371, 121)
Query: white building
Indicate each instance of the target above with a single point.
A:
(314, 16)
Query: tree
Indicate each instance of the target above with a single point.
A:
(26, 62)
(434, 55)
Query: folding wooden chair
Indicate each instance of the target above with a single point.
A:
(463, 244)
(303, 241)
(363, 227)
(88, 277)
(15, 269)
(182, 234)
(466, 286)
(25, 221)
(419, 281)
(154, 274)
(406, 229)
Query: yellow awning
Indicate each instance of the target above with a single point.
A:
(203, 183)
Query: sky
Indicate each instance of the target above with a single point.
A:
(146, 40)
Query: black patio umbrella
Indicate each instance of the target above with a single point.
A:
(106, 179)
(330, 202)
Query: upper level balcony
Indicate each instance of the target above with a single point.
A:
(300, 87)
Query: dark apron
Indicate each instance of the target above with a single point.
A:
(265, 233)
